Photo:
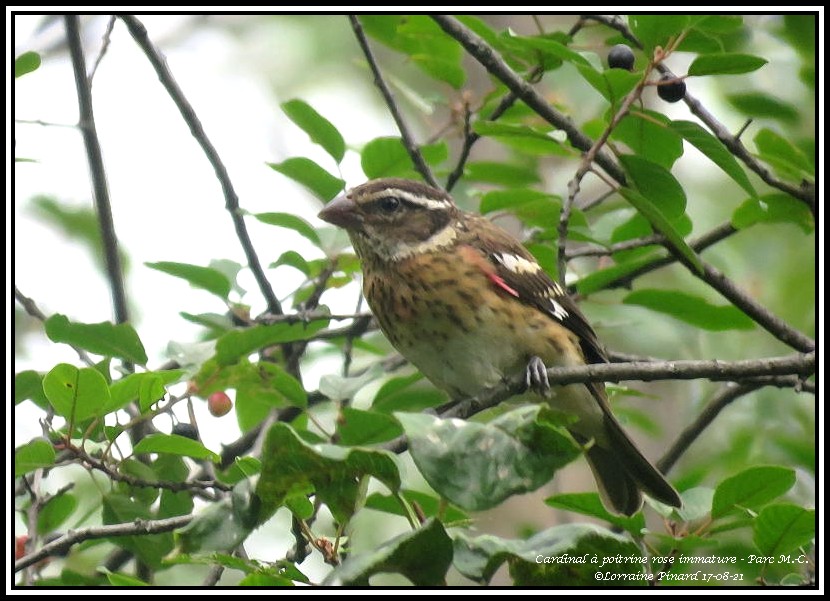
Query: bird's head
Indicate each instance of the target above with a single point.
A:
(392, 219)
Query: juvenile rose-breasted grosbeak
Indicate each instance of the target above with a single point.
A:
(467, 304)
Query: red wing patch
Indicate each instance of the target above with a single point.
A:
(502, 284)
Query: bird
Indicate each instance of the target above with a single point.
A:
(465, 303)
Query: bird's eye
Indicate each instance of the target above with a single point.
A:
(390, 204)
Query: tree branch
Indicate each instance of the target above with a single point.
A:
(802, 365)
(100, 191)
(806, 193)
(492, 61)
(760, 314)
(470, 137)
(97, 464)
(137, 527)
(139, 34)
(406, 135)
(725, 396)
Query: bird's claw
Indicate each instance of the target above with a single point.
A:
(536, 377)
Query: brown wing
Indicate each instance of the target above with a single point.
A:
(519, 274)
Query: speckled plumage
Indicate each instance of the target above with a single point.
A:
(468, 305)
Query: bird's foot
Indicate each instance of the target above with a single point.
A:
(536, 377)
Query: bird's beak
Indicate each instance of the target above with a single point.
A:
(342, 212)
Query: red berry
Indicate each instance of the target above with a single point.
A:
(20, 546)
(219, 404)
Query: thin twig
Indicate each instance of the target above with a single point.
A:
(805, 193)
(100, 191)
(105, 44)
(406, 135)
(471, 137)
(585, 165)
(139, 34)
(653, 239)
(191, 485)
(698, 245)
(492, 61)
(72, 537)
(724, 397)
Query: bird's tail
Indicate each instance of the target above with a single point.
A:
(623, 473)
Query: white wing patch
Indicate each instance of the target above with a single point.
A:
(516, 264)
(559, 312)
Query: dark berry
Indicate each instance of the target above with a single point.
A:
(219, 404)
(673, 91)
(621, 57)
(186, 430)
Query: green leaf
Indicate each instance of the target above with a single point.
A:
(148, 387)
(172, 468)
(242, 467)
(174, 445)
(531, 206)
(76, 394)
(103, 338)
(714, 149)
(648, 210)
(600, 279)
(725, 64)
(149, 548)
(423, 41)
(589, 504)
(423, 556)
(691, 309)
(657, 184)
(205, 278)
(719, 23)
(697, 504)
(430, 506)
(33, 455)
(657, 30)
(57, 510)
(263, 579)
(764, 106)
(776, 149)
(29, 385)
(523, 453)
(309, 174)
(558, 556)
(116, 579)
(782, 528)
(521, 137)
(649, 135)
(224, 524)
(773, 208)
(78, 223)
(613, 84)
(503, 174)
(26, 63)
(234, 345)
(320, 130)
(751, 489)
(551, 47)
(398, 394)
(387, 157)
(290, 466)
(357, 427)
(292, 222)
